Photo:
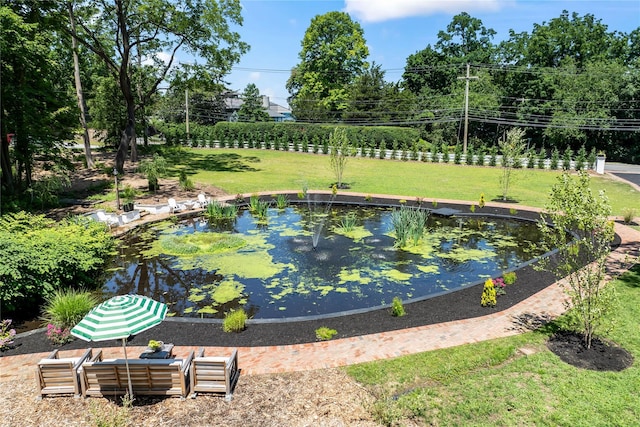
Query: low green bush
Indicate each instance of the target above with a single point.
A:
(509, 278)
(397, 309)
(325, 334)
(41, 256)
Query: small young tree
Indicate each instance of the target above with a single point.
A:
(339, 151)
(582, 232)
(154, 168)
(512, 148)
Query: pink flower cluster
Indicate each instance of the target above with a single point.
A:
(6, 334)
(58, 335)
(500, 286)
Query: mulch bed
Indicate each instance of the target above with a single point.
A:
(457, 305)
(601, 356)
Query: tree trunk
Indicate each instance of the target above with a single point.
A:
(79, 92)
(6, 180)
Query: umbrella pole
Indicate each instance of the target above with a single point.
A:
(126, 362)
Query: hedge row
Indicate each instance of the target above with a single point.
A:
(290, 133)
(375, 142)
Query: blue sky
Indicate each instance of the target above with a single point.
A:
(393, 29)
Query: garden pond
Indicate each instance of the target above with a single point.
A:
(273, 268)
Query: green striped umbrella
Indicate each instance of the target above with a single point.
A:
(119, 318)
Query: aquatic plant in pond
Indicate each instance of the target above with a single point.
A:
(219, 210)
(409, 223)
(272, 270)
(282, 201)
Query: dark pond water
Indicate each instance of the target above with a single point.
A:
(272, 269)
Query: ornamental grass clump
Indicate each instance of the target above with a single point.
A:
(348, 223)
(408, 224)
(235, 321)
(488, 294)
(219, 210)
(65, 308)
(628, 215)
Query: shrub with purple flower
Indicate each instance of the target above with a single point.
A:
(6, 334)
(500, 286)
(58, 335)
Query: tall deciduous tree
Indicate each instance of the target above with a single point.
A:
(157, 30)
(432, 75)
(79, 91)
(333, 54)
(372, 100)
(252, 109)
(34, 102)
(467, 40)
(569, 78)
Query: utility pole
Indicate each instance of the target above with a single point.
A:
(466, 107)
(186, 101)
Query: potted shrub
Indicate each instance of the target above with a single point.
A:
(155, 345)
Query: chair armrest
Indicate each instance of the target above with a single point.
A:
(200, 352)
(97, 357)
(233, 360)
(53, 355)
(186, 363)
(85, 356)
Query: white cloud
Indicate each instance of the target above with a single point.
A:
(254, 76)
(385, 10)
(162, 56)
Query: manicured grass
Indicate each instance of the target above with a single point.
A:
(247, 171)
(493, 384)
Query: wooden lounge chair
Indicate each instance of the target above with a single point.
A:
(60, 376)
(154, 377)
(214, 374)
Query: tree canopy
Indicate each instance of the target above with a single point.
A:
(333, 55)
(252, 109)
(153, 32)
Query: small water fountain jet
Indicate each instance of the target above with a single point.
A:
(317, 218)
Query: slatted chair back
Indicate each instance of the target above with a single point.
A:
(157, 377)
(55, 375)
(214, 374)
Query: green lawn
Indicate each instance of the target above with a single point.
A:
(246, 171)
(485, 384)
(493, 384)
